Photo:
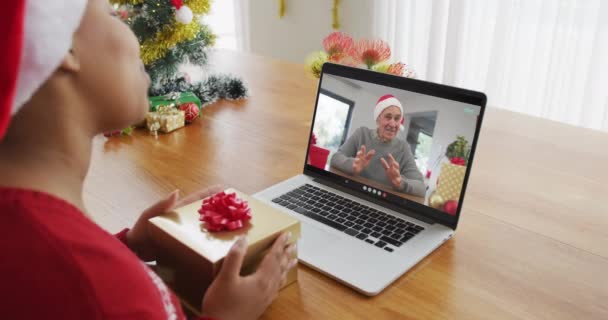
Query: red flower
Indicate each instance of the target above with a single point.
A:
(396, 69)
(371, 52)
(337, 45)
(224, 212)
(458, 161)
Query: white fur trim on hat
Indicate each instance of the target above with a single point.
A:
(49, 29)
(385, 102)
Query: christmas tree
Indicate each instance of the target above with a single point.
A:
(171, 34)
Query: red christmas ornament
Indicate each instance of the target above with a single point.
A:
(191, 110)
(458, 161)
(450, 207)
(224, 212)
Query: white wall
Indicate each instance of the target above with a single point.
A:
(305, 24)
(451, 121)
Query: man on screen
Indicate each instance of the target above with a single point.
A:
(378, 154)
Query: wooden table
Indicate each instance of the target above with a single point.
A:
(532, 242)
(377, 185)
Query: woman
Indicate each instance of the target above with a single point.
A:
(378, 154)
(79, 74)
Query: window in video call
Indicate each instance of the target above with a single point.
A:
(410, 145)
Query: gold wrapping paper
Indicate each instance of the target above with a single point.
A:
(449, 182)
(190, 257)
(166, 119)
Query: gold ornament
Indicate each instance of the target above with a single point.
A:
(436, 200)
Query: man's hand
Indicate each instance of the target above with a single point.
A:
(362, 160)
(391, 168)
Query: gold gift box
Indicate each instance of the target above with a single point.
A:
(190, 257)
(165, 120)
(449, 182)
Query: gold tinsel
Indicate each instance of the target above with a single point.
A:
(336, 18)
(169, 37)
(197, 6)
(334, 10)
(172, 34)
(281, 8)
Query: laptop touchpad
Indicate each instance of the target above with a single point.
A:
(314, 239)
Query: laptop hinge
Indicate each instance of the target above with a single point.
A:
(373, 200)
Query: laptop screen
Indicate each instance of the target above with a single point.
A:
(396, 140)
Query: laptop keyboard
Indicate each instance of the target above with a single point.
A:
(355, 219)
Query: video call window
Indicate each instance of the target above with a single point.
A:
(412, 145)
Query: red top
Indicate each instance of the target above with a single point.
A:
(11, 24)
(57, 264)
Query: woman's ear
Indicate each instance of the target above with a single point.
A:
(70, 62)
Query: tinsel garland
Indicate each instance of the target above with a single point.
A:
(168, 38)
(166, 44)
(198, 7)
(336, 18)
(334, 10)
(209, 90)
(281, 8)
(172, 34)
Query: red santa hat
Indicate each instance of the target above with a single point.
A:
(37, 36)
(388, 100)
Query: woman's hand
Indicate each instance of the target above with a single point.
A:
(138, 238)
(362, 160)
(232, 297)
(392, 170)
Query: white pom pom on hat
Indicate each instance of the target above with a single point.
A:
(184, 15)
(38, 35)
(388, 100)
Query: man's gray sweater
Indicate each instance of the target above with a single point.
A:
(411, 178)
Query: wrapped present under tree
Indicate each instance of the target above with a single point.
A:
(165, 119)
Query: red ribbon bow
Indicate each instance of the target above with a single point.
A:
(223, 212)
(458, 161)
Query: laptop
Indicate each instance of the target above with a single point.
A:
(367, 226)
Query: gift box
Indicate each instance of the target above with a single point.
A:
(190, 256)
(317, 156)
(165, 119)
(174, 99)
(450, 180)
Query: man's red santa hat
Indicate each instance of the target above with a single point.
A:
(37, 36)
(388, 100)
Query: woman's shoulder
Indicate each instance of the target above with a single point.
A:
(84, 258)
